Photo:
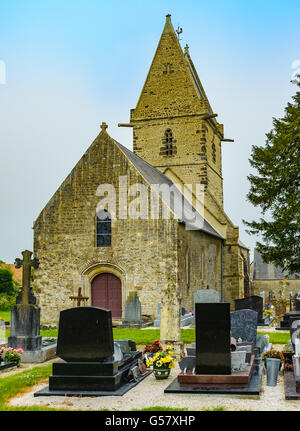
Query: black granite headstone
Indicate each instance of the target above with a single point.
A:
(93, 364)
(85, 335)
(213, 338)
(254, 303)
(297, 303)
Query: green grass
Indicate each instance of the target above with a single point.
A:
(13, 385)
(143, 337)
(5, 315)
(277, 337)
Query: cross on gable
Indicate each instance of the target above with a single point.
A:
(79, 297)
(104, 126)
(26, 296)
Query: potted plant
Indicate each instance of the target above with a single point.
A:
(273, 360)
(162, 363)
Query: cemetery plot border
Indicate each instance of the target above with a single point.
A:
(290, 391)
(118, 392)
(252, 389)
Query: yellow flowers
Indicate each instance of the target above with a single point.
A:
(162, 359)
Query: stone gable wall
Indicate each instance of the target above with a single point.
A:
(143, 252)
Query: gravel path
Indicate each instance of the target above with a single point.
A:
(150, 392)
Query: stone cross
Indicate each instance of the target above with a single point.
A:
(104, 126)
(27, 263)
(79, 297)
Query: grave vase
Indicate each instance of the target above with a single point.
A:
(161, 372)
(273, 366)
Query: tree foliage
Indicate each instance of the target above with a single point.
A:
(276, 190)
(6, 281)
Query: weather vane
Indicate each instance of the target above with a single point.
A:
(178, 31)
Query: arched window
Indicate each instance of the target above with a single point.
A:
(103, 229)
(168, 148)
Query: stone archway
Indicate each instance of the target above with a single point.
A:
(91, 271)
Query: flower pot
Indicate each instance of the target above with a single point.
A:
(273, 366)
(161, 372)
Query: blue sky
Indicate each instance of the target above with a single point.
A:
(71, 65)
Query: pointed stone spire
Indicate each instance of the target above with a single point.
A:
(169, 89)
(168, 26)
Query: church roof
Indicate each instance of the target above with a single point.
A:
(242, 245)
(268, 271)
(155, 178)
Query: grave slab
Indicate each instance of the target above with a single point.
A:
(253, 387)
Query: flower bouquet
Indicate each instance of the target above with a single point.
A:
(162, 363)
(12, 355)
(153, 348)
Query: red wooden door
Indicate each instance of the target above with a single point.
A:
(107, 293)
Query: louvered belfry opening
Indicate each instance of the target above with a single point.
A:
(168, 148)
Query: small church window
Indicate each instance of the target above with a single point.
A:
(103, 229)
(214, 152)
(168, 149)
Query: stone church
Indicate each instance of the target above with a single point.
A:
(84, 239)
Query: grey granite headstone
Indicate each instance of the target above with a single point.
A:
(243, 324)
(118, 354)
(262, 295)
(126, 345)
(133, 309)
(191, 351)
(2, 332)
(238, 360)
(294, 331)
(186, 318)
(206, 295)
(25, 316)
(187, 363)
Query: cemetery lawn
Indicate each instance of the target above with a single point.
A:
(5, 315)
(16, 384)
(147, 336)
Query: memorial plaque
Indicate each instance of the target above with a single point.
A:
(85, 335)
(213, 338)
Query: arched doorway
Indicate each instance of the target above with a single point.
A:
(106, 291)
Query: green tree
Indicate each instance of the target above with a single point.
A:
(7, 284)
(276, 190)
